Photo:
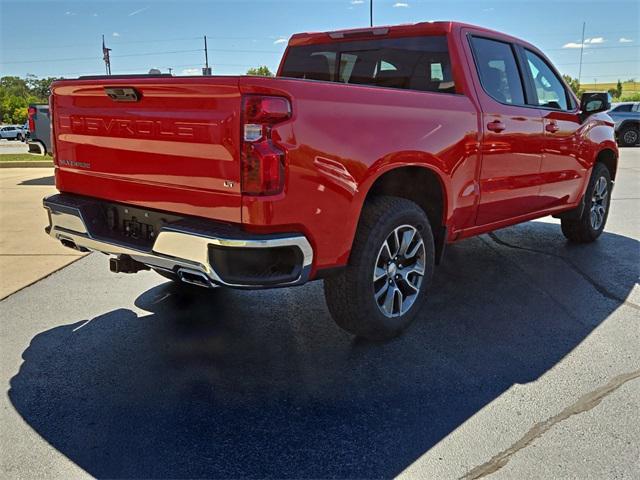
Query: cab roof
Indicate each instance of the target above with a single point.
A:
(391, 31)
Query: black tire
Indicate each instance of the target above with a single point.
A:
(350, 294)
(629, 135)
(582, 230)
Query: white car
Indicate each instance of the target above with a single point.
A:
(10, 132)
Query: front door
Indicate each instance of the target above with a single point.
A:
(512, 135)
(562, 171)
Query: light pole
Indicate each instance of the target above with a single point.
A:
(371, 13)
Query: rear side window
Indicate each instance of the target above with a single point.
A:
(414, 63)
(498, 70)
(623, 108)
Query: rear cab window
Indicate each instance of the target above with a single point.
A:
(412, 63)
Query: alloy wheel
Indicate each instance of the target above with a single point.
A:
(599, 203)
(399, 271)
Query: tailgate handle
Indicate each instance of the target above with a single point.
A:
(122, 94)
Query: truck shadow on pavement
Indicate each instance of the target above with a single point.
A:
(263, 384)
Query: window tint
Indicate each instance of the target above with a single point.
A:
(415, 63)
(549, 87)
(498, 70)
(625, 107)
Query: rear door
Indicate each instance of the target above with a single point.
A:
(512, 133)
(562, 170)
(164, 143)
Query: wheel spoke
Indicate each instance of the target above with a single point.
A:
(396, 242)
(388, 301)
(382, 291)
(378, 273)
(400, 299)
(410, 284)
(407, 238)
(387, 249)
(415, 249)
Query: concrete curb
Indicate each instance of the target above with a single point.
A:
(29, 164)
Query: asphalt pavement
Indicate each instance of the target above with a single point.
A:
(524, 363)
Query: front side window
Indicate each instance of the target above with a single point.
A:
(413, 63)
(498, 70)
(549, 88)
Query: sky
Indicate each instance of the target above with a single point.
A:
(62, 38)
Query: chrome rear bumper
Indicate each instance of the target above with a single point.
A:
(178, 246)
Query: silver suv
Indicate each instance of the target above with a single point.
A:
(626, 116)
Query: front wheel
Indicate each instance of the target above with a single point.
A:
(591, 223)
(383, 287)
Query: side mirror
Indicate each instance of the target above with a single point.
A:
(594, 102)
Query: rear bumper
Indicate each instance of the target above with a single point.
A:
(192, 245)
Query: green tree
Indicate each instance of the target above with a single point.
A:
(262, 71)
(40, 87)
(17, 93)
(574, 84)
(618, 89)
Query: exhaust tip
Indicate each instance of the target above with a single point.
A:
(195, 277)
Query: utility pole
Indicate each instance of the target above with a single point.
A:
(581, 50)
(206, 70)
(105, 57)
(371, 13)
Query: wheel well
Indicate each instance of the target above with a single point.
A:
(608, 159)
(422, 186)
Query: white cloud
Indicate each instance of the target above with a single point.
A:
(279, 41)
(191, 71)
(625, 40)
(115, 34)
(587, 43)
(400, 5)
(68, 12)
(136, 12)
(94, 15)
(357, 2)
(490, 9)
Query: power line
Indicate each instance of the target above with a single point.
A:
(48, 60)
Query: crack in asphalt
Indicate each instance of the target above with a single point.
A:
(585, 403)
(602, 290)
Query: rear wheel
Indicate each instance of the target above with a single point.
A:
(629, 136)
(591, 223)
(382, 289)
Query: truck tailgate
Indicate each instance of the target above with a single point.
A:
(163, 143)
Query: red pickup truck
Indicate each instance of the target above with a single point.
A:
(368, 153)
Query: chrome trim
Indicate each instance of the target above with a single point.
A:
(174, 249)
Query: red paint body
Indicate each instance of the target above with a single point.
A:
(177, 149)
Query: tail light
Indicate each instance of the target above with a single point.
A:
(262, 161)
(32, 122)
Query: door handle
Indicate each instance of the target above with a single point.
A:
(496, 126)
(552, 127)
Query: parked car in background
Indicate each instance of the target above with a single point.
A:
(626, 116)
(39, 129)
(10, 132)
(369, 152)
(23, 134)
